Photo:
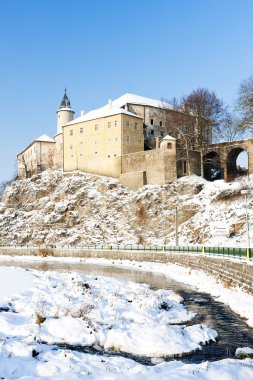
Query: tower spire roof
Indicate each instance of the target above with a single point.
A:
(65, 103)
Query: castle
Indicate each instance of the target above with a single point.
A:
(125, 139)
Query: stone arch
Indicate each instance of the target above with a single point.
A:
(233, 170)
(212, 166)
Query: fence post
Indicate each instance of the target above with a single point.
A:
(203, 249)
(248, 254)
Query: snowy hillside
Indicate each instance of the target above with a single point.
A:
(77, 208)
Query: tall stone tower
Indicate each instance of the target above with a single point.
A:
(64, 115)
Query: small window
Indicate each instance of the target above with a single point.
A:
(71, 156)
(71, 132)
(135, 125)
(71, 147)
(115, 154)
(81, 154)
(96, 152)
(127, 123)
(96, 127)
(109, 124)
(81, 130)
(152, 121)
(128, 138)
(109, 156)
(140, 141)
(169, 145)
(95, 142)
(116, 123)
(185, 167)
(152, 132)
(161, 133)
(161, 123)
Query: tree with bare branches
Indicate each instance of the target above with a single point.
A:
(207, 109)
(245, 103)
(229, 129)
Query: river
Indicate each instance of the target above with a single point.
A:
(233, 331)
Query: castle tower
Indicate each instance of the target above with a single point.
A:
(65, 113)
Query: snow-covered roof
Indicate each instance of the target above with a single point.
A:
(129, 98)
(168, 137)
(101, 112)
(44, 138)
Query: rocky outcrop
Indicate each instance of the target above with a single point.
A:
(55, 207)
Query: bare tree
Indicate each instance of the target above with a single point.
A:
(229, 129)
(245, 103)
(207, 110)
(180, 126)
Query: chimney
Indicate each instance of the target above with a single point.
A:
(110, 103)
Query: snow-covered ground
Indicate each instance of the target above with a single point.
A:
(53, 308)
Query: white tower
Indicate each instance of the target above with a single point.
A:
(65, 113)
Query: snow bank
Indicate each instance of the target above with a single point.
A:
(14, 280)
(97, 311)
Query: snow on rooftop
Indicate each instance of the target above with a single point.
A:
(114, 107)
(44, 138)
(101, 112)
(129, 98)
(168, 137)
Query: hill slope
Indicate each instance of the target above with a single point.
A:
(77, 208)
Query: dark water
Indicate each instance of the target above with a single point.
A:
(233, 331)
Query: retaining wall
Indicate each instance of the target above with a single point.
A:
(231, 272)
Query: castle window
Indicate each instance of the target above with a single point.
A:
(128, 138)
(140, 141)
(127, 123)
(81, 154)
(81, 130)
(115, 154)
(169, 145)
(96, 127)
(185, 167)
(109, 124)
(152, 132)
(161, 133)
(71, 132)
(161, 123)
(96, 152)
(152, 121)
(115, 123)
(135, 125)
(108, 156)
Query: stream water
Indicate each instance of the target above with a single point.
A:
(233, 331)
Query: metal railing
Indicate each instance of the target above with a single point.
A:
(233, 252)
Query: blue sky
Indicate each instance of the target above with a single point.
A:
(101, 49)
